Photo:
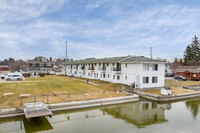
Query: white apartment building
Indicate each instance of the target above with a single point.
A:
(142, 71)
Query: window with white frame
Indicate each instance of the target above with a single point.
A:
(108, 75)
(126, 77)
(113, 76)
(145, 80)
(154, 79)
(126, 65)
(118, 77)
(155, 67)
(145, 67)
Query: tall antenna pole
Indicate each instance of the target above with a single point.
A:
(151, 52)
(66, 52)
(65, 59)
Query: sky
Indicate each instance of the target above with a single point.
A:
(97, 28)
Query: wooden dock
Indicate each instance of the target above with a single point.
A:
(36, 109)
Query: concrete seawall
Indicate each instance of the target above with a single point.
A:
(169, 98)
(12, 112)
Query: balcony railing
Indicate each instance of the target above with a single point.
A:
(102, 68)
(116, 69)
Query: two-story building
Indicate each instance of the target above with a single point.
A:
(139, 70)
(40, 64)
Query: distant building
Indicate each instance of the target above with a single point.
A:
(40, 64)
(190, 72)
(4, 68)
(144, 72)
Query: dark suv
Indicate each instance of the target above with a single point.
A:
(181, 78)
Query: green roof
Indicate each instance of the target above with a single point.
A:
(122, 59)
(99, 60)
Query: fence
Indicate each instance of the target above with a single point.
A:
(14, 102)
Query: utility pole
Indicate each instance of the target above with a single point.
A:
(65, 59)
(151, 52)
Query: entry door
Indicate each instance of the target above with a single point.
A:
(35, 74)
(137, 81)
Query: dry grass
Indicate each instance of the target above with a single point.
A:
(174, 85)
(58, 85)
(175, 90)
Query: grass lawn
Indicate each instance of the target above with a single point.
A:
(174, 85)
(59, 86)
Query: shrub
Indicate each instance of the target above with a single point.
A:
(133, 85)
(26, 74)
(41, 74)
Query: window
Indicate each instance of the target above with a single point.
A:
(118, 77)
(126, 77)
(107, 64)
(101, 75)
(95, 64)
(155, 67)
(108, 75)
(97, 74)
(99, 64)
(88, 74)
(145, 80)
(104, 75)
(126, 65)
(154, 79)
(113, 64)
(145, 106)
(113, 76)
(146, 67)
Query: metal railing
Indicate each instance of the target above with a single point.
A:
(15, 102)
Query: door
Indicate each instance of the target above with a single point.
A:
(137, 81)
(35, 74)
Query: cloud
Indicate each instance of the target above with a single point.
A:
(96, 29)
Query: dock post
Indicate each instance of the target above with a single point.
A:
(47, 99)
(35, 98)
(21, 101)
(68, 97)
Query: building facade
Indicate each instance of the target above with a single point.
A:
(190, 72)
(141, 71)
(40, 64)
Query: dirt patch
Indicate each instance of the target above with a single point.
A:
(175, 91)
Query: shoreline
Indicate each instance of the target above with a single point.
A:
(14, 112)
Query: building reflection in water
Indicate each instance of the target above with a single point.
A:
(141, 114)
(193, 106)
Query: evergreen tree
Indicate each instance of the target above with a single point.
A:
(192, 52)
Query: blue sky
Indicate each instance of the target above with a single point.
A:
(97, 28)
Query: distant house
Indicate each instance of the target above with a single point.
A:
(190, 72)
(40, 64)
(4, 68)
(141, 71)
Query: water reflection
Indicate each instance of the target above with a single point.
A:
(193, 106)
(141, 114)
(36, 125)
(18, 124)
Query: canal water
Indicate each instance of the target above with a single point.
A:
(137, 117)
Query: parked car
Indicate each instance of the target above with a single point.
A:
(14, 77)
(180, 78)
(3, 76)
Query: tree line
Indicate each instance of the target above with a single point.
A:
(14, 64)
